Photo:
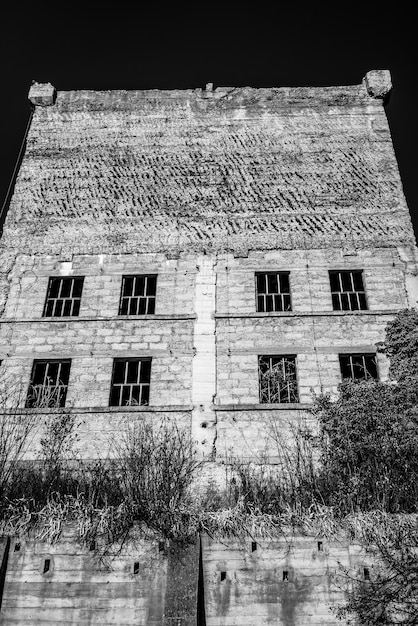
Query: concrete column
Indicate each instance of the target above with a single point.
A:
(204, 361)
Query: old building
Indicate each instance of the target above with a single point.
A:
(210, 256)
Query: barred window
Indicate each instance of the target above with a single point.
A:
(63, 297)
(347, 290)
(277, 378)
(358, 366)
(138, 294)
(130, 382)
(48, 384)
(273, 291)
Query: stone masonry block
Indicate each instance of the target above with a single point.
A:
(378, 83)
(42, 94)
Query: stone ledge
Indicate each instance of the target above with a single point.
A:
(305, 314)
(115, 318)
(294, 406)
(175, 408)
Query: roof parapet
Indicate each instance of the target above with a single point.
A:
(42, 94)
(378, 83)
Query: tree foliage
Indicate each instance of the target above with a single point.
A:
(369, 448)
(369, 462)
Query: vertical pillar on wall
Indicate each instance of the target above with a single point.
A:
(182, 583)
(204, 360)
(201, 612)
(3, 568)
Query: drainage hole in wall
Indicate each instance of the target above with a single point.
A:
(47, 564)
(161, 546)
(204, 424)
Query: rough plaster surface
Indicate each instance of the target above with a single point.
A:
(273, 168)
(252, 590)
(82, 588)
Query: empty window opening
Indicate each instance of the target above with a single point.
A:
(92, 545)
(273, 291)
(223, 575)
(63, 297)
(161, 546)
(277, 379)
(136, 567)
(47, 564)
(138, 294)
(253, 546)
(366, 573)
(130, 382)
(285, 575)
(347, 290)
(320, 546)
(358, 366)
(17, 547)
(49, 383)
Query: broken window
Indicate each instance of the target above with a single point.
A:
(347, 290)
(130, 382)
(138, 294)
(358, 366)
(49, 383)
(277, 377)
(63, 297)
(273, 291)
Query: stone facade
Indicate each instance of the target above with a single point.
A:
(203, 188)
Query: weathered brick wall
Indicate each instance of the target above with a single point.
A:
(231, 168)
(384, 275)
(29, 276)
(207, 364)
(203, 189)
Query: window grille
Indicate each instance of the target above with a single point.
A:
(358, 366)
(138, 294)
(130, 382)
(273, 291)
(347, 290)
(63, 297)
(49, 383)
(277, 378)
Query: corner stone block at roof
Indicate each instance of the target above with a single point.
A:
(215, 169)
(42, 94)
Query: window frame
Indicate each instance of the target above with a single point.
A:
(281, 295)
(142, 385)
(363, 355)
(295, 392)
(64, 299)
(132, 296)
(60, 399)
(350, 293)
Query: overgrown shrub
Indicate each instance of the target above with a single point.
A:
(369, 448)
(390, 595)
(147, 484)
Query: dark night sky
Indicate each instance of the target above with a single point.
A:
(128, 45)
